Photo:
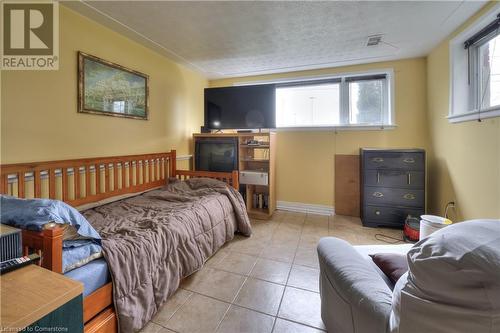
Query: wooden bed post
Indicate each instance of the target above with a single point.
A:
(236, 180)
(173, 163)
(52, 249)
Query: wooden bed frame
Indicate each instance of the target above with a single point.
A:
(117, 175)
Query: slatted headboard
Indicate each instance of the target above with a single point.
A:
(87, 180)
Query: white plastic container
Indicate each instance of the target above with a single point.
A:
(254, 178)
(431, 223)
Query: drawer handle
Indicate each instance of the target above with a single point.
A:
(409, 160)
(409, 196)
(378, 194)
(377, 159)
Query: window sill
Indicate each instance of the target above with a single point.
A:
(338, 128)
(474, 115)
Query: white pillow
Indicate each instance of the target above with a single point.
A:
(453, 282)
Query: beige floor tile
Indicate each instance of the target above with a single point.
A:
(351, 230)
(173, 304)
(285, 326)
(317, 219)
(235, 262)
(152, 328)
(315, 230)
(311, 240)
(278, 215)
(294, 218)
(285, 234)
(290, 242)
(271, 270)
(268, 226)
(307, 257)
(217, 257)
(252, 246)
(198, 314)
(288, 227)
(215, 283)
(241, 320)
(260, 295)
(342, 219)
(295, 215)
(317, 223)
(263, 234)
(278, 252)
(304, 277)
(301, 306)
(343, 229)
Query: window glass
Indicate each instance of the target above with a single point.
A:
(366, 102)
(308, 105)
(489, 71)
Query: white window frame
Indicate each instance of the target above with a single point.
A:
(465, 102)
(388, 99)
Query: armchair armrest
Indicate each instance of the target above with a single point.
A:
(350, 286)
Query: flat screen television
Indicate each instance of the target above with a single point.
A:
(243, 107)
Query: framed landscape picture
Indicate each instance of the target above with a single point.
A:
(109, 89)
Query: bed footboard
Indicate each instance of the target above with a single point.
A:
(231, 178)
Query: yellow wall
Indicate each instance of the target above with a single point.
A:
(305, 159)
(39, 116)
(465, 160)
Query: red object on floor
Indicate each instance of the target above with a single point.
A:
(411, 230)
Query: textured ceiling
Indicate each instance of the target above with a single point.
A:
(240, 38)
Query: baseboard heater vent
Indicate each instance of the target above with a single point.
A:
(10, 243)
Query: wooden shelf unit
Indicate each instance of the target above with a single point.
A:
(260, 157)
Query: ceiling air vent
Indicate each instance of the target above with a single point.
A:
(374, 40)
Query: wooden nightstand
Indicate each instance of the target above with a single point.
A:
(39, 299)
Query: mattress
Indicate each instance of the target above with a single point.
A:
(93, 275)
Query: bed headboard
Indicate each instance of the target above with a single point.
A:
(87, 180)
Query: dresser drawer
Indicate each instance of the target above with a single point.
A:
(393, 196)
(393, 160)
(381, 215)
(395, 178)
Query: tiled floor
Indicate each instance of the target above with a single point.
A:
(265, 283)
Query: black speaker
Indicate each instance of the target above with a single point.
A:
(205, 130)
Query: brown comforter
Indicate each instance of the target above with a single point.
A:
(153, 240)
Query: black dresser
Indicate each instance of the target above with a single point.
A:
(392, 186)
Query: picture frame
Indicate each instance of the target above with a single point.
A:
(109, 89)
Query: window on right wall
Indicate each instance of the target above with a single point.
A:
(475, 70)
(487, 85)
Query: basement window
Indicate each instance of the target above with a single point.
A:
(475, 70)
(347, 101)
(488, 80)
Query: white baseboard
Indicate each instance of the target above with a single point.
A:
(305, 208)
